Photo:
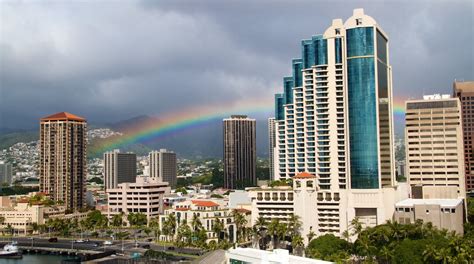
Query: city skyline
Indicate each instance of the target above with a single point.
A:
(69, 65)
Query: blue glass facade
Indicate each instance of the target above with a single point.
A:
(314, 51)
(338, 51)
(288, 89)
(308, 55)
(362, 106)
(321, 46)
(360, 42)
(297, 74)
(279, 111)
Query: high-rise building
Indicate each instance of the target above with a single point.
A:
(334, 118)
(119, 168)
(62, 167)
(435, 154)
(5, 173)
(271, 147)
(465, 92)
(163, 166)
(334, 125)
(240, 157)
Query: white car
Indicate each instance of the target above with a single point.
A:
(108, 243)
(80, 241)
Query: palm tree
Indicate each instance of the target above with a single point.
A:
(170, 225)
(240, 222)
(297, 243)
(295, 224)
(272, 230)
(217, 228)
(256, 236)
(196, 223)
(356, 226)
(261, 226)
(311, 235)
(155, 226)
(117, 220)
(184, 232)
(281, 232)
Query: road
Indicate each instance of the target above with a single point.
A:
(127, 246)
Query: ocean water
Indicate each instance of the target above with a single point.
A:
(35, 259)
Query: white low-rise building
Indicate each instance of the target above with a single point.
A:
(277, 256)
(208, 211)
(442, 213)
(325, 211)
(144, 196)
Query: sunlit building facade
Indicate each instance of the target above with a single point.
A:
(62, 166)
(333, 120)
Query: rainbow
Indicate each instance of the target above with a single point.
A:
(399, 108)
(172, 123)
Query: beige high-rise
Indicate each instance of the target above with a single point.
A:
(119, 168)
(163, 166)
(271, 147)
(62, 168)
(435, 154)
(465, 92)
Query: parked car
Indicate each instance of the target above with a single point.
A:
(146, 246)
(80, 241)
(108, 242)
(170, 248)
(53, 239)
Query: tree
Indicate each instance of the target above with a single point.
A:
(217, 227)
(155, 227)
(311, 235)
(272, 230)
(294, 224)
(327, 247)
(356, 226)
(117, 220)
(181, 190)
(282, 230)
(240, 222)
(137, 219)
(169, 226)
(184, 234)
(297, 244)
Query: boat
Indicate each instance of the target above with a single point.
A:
(11, 251)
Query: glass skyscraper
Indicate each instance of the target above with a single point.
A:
(334, 118)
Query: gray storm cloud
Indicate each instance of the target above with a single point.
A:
(111, 60)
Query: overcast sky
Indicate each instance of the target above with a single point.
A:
(112, 60)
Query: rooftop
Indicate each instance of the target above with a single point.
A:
(63, 116)
(204, 203)
(304, 175)
(262, 256)
(441, 202)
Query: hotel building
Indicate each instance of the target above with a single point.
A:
(207, 211)
(62, 166)
(240, 156)
(119, 168)
(163, 166)
(334, 121)
(271, 147)
(435, 153)
(465, 92)
(145, 196)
